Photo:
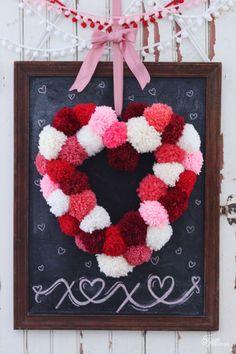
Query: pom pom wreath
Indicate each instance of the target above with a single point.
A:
(193, 162)
(151, 188)
(190, 139)
(168, 172)
(133, 229)
(174, 130)
(59, 170)
(40, 163)
(47, 186)
(142, 136)
(175, 202)
(81, 204)
(133, 109)
(77, 183)
(153, 213)
(157, 237)
(123, 158)
(115, 135)
(83, 112)
(50, 142)
(137, 255)
(115, 267)
(187, 180)
(114, 244)
(59, 203)
(90, 141)
(91, 243)
(69, 225)
(169, 153)
(73, 152)
(65, 121)
(97, 219)
(158, 115)
(102, 119)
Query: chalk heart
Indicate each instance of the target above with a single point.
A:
(37, 182)
(198, 202)
(37, 288)
(131, 98)
(41, 268)
(155, 260)
(91, 289)
(179, 250)
(102, 85)
(88, 264)
(193, 116)
(191, 264)
(42, 90)
(190, 229)
(152, 91)
(71, 96)
(41, 227)
(189, 93)
(41, 122)
(166, 285)
(61, 251)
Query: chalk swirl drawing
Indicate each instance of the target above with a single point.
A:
(95, 292)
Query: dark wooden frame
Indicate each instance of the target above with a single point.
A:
(22, 319)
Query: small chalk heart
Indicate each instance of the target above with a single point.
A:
(131, 98)
(155, 260)
(189, 93)
(37, 182)
(41, 227)
(42, 89)
(61, 251)
(102, 85)
(190, 229)
(41, 122)
(191, 264)
(152, 91)
(88, 264)
(37, 288)
(193, 116)
(198, 202)
(71, 96)
(179, 250)
(41, 268)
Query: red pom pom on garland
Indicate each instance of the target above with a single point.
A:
(186, 182)
(123, 158)
(66, 122)
(133, 229)
(134, 109)
(41, 164)
(69, 225)
(175, 202)
(59, 170)
(151, 188)
(174, 130)
(169, 153)
(77, 183)
(83, 112)
(114, 244)
(137, 255)
(81, 204)
(92, 243)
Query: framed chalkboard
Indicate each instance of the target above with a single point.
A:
(57, 285)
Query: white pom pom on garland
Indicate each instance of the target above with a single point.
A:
(190, 140)
(89, 140)
(113, 266)
(143, 137)
(50, 142)
(59, 202)
(168, 172)
(157, 237)
(97, 219)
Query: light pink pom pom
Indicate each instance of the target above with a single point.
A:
(153, 213)
(115, 135)
(193, 162)
(102, 119)
(41, 163)
(137, 255)
(47, 186)
(73, 152)
(158, 115)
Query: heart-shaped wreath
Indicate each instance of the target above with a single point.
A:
(83, 131)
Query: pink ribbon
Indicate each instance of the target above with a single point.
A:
(123, 41)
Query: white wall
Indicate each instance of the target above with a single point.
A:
(14, 24)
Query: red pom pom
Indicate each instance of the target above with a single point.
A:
(137, 255)
(69, 225)
(83, 112)
(186, 182)
(114, 244)
(81, 204)
(59, 170)
(151, 188)
(134, 109)
(123, 158)
(169, 153)
(133, 229)
(91, 243)
(173, 130)
(175, 202)
(66, 122)
(77, 183)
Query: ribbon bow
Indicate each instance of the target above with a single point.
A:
(123, 48)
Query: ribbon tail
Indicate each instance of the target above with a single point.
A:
(118, 79)
(87, 68)
(136, 65)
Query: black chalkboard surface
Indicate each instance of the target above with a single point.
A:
(63, 280)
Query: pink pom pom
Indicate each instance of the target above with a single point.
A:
(169, 153)
(73, 152)
(151, 188)
(47, 186)
(81, 204)
(137, 255)
(102, 119)
(115, 135)
(193, 162)
(158, 115)
(40, 163)
(79, 243)
(153, 213)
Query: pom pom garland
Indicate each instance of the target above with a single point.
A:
(115, 135)
(123, 158)
(59, 202)
(157, 237)
(134, 109)
(97, 219)
(114, 267)
(41, 164)
(83, 112)
(65, 121)
(90, 141)
(102, 119)
(158, 116)
(51, 142)
(73, 152)
(151, 188)
(81, 204)
(137, 255)
(69, 225)
(168, 172)
(47, 186)
(190, 139)
(153, 213)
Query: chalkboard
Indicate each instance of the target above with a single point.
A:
(63, 280)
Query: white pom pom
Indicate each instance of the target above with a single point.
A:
(142, 136)
(50, 142)
(90, 141)
(190, 139)
(157, 237)
(97, 219)
(168, 172)
(59, 203)
(113, 266)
